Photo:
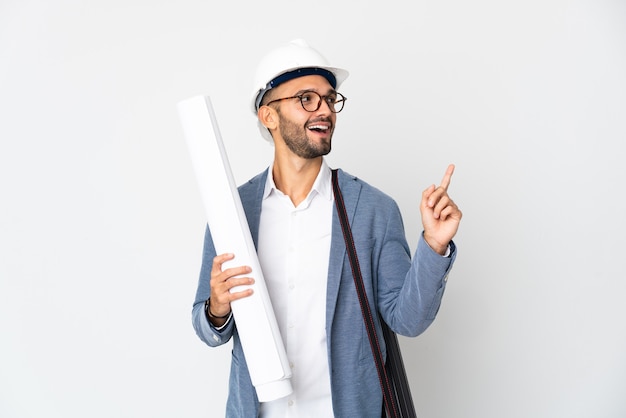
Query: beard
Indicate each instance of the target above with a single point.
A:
(296, 139)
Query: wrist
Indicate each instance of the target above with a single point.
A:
(210, 315)
(440, 249)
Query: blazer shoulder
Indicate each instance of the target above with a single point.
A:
(352, 183)
(255, 181)
(251, 188)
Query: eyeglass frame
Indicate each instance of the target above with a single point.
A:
(319, 103)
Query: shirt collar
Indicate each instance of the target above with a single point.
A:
(322, 185)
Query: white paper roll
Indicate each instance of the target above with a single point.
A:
(256, 323)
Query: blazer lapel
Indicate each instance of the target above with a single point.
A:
(251, 195)
(350, 190)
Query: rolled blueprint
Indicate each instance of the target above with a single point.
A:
(256, 323)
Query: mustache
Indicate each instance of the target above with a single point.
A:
(320, 119)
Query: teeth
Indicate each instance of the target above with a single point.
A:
(319, 127)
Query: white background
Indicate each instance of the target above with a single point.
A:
(101, 222)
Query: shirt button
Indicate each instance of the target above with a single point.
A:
(290, 402)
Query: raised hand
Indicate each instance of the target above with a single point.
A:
(440, 215)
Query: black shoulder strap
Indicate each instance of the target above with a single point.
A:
(385, 384)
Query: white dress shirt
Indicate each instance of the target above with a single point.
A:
(293, 250)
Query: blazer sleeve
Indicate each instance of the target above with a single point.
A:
(204, 329)
(409, 300)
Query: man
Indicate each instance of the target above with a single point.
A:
(301, 249)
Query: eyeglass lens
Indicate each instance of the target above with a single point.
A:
(311, 101)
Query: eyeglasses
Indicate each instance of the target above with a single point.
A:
(311, 101)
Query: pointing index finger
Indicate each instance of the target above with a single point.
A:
(445, 182)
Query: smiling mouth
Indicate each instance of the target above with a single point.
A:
(321, 128)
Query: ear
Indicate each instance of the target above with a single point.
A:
(268, 117)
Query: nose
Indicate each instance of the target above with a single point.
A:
(324, 106)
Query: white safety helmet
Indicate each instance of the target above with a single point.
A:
(292, 60)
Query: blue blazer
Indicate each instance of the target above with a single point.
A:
(406, 292)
